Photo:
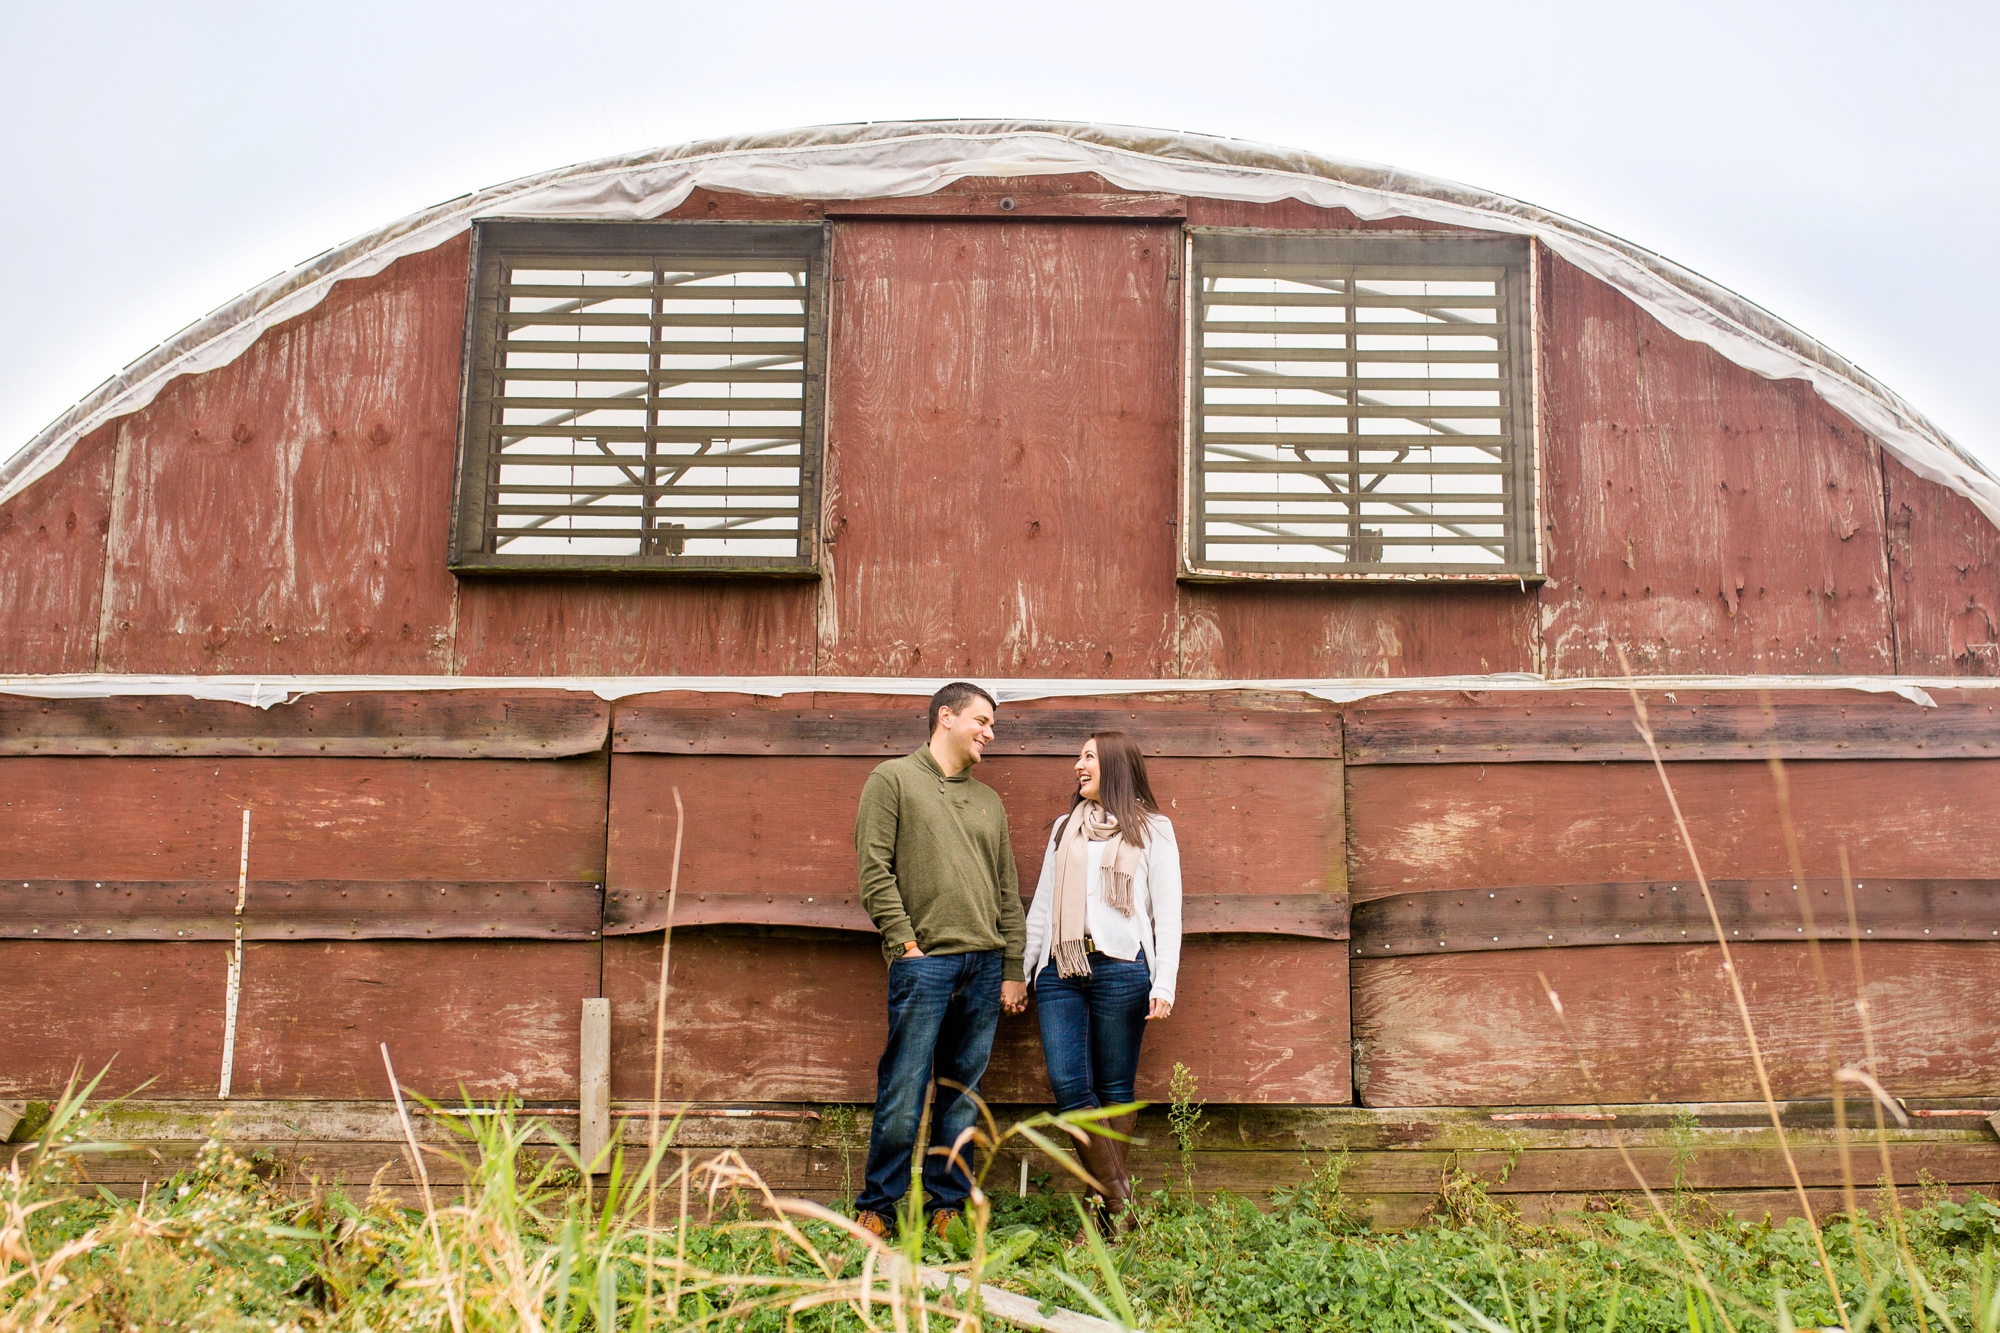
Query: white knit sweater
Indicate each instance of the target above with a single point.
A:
(1155, 922)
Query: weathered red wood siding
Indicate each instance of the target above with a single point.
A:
(1655, 1022)
(383, 819)
(52, 563)
(288, 512)
(1699, 517)
(1658, 1023)
(496, 1015)
(1002, 417)
(1453, 826)
(1945, 563)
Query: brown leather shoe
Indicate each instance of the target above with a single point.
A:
(874, 1224)
(941, 1221)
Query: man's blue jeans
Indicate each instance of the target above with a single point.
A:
(1091, 1030)
(942, 1013)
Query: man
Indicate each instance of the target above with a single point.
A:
(937, 877)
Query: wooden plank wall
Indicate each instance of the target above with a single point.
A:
(1437, 797)
(288, 513)
(491, 1015)
(1656, 1021)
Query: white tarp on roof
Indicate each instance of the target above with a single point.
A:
(901, 159)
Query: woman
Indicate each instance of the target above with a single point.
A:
(1104, 946)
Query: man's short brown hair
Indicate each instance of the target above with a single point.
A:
(953, 696)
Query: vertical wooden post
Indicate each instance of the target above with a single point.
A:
(594, 1085)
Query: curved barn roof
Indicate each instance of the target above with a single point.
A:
(900, 159)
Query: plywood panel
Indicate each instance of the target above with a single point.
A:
(755, 825)
(1003, 427)
(1944, 558)
(288, 512)
(1249, 631)
(757, 1018)
(1698, 516)
(1470, 825)
(1656, 1023)
(495, 1017)
(165, 819)
(149, 1011)
(52, 563)
(559, 626)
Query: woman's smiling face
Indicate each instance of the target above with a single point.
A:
(1087, 771)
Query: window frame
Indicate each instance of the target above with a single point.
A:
(1518, 255)
(499, 244)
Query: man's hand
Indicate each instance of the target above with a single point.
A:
(1014, 996)
(910, 949)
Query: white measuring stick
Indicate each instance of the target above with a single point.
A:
(235, 964)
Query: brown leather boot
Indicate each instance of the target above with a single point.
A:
(1123, 1218)
(1111, 1206)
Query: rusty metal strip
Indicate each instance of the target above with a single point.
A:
(1320, 916)
(887, 732)
(1602, 731)
(1548, 916)
(471, 724)
(319, 909)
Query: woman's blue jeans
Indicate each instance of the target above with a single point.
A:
(1091, 1030)
(943, 1009)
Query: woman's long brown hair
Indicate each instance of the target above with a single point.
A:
(1122, 787)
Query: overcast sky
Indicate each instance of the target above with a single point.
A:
(1838, 164)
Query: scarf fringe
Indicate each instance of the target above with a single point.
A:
(1071, 960)
(1117, 890)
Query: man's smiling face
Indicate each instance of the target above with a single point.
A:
(967, 731)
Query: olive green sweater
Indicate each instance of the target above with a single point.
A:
(937, 865)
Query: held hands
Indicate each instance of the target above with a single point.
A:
(1013, 994)
(1158, 1008)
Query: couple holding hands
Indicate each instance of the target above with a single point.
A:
(1099, 947)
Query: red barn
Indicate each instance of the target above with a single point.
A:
(451, 555)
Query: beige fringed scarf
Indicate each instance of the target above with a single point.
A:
(1088, 823)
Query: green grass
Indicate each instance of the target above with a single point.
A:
(216, 1247)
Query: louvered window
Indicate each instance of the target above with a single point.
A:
(1359, 407)
(642, 397)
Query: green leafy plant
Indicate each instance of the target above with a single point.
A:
(1184, 1116)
